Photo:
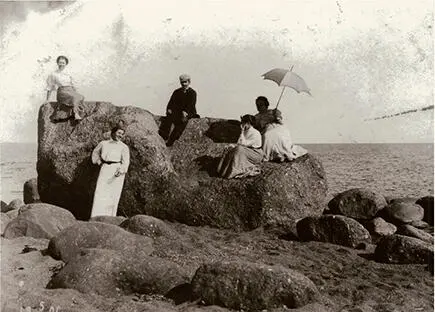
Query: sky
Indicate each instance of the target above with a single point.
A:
(361, 60)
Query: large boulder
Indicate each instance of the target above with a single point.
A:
(402, 249)
(379, 228)
(115, 220)
(112, 273)
(357, 203)
(30, 191)
(4, 220)
(409, 230)
(15, 204)
(3, 206)
(428, 205)
(335, 229)
(149, 226)
(252, 287)
(97, 235)
(39, 221)
(190, 193)
(66, 175)
(402, 212)
(12, 214)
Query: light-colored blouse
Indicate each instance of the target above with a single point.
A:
(250, 138)
(112, 151)
(59, 78)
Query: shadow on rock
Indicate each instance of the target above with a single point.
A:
(224, 131)
(208, 164)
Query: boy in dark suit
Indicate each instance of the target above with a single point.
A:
(180, 109)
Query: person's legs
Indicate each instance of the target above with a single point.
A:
(179, 126)
(165, 127)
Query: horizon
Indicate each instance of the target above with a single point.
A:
(362, 60)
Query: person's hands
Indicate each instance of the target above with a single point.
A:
(184, 117)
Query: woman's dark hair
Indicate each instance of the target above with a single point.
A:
(248, 119)
(264, 99)
(62, 57)
(116, 128)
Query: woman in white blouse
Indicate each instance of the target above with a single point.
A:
(67, 96)
(242, 160)
(114, 158)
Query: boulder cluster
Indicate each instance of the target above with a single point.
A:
(144, 251)
(401, 228)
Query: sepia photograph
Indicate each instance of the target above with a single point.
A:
(217, 155)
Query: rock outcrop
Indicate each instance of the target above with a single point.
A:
(97, 235)
(148, 226)
(4, 221)
(115, 220)
(176, 184)
(39, 221)
(66, 175)
(427, 203)
(402, 212)
(3, 206)
(401, 249)
(335, 229)
(14, 204)
(252, 287)
(409, 230)
(112, 273)
(30, 191)
(357, 203)
(379, 228)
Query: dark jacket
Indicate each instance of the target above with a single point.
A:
(183, 101)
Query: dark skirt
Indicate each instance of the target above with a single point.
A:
(69, 103)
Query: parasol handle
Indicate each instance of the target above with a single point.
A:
(282, 92)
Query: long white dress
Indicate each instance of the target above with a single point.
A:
(113, 156)
(277, 141)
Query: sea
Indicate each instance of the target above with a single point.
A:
(394, 170)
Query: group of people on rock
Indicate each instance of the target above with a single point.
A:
(263, 137)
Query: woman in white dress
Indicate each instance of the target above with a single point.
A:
(68, 99)
(243, 160)
(277, 141)
(114, 158)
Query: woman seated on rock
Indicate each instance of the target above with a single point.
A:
(277, 142)
(114, 158)
(242, 160)
(68, 99)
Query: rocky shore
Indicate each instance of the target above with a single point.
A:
(186, 240)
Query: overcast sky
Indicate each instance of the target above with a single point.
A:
(361, 59)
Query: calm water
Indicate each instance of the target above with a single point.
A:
(398, 170)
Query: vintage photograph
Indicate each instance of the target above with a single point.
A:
(217, 155)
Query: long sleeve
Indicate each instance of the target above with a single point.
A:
(171, 103)
(96, 154)
(250, 138)
(125, 159)
(50, 83)
(191, 105)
